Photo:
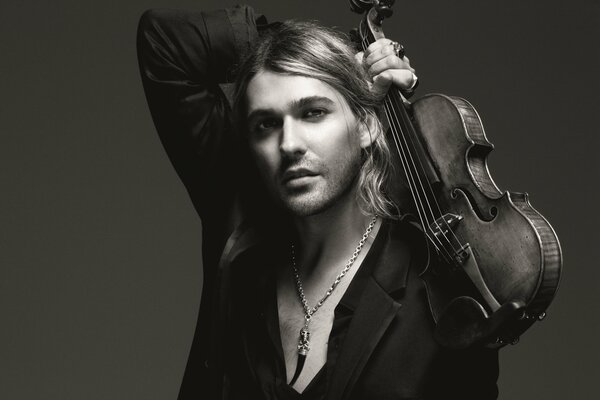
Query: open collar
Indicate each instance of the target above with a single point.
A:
(374, 308)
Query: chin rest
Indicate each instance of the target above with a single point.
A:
(465, 323)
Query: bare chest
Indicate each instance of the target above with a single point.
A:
(292, 320)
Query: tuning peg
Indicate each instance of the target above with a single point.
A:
(360, 6)
(384, 9)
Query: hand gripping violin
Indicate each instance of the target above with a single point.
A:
(495, 262)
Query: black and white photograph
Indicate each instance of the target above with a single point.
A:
(341, 200)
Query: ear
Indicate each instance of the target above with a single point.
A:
(368, 130)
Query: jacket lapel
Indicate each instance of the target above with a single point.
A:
(376, 308)
(366, 329)
(374, 313)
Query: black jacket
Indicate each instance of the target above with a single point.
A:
(186, 60)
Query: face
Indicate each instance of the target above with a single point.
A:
(306, 141)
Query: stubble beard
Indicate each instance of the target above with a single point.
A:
(337, 185)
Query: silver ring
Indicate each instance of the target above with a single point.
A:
(415, 81)
(411, 90)
(398, 49)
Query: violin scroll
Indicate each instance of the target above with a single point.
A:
(360, 6)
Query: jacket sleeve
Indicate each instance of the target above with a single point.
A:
(184, 57)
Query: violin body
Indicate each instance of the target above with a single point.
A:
(495, 262)
(516, 250)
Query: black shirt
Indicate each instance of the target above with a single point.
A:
(270, 368)
(381, 345)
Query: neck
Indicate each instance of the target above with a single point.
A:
(327, 240)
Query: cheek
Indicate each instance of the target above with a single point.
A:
(266, 156)
(342, 143)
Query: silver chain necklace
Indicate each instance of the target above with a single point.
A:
(304, 339)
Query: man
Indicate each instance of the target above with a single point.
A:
(316, 293)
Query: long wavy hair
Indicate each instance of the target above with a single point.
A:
(308, 49)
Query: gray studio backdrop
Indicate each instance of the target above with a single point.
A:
(100, 259)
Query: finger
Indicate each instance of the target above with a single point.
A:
(382, 53)
(377, 45)
(389, 62)
(402, 78)
(359, 57)
(379, 54)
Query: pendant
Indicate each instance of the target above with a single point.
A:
(304, 341)
(303, 348)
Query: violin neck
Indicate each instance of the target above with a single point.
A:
(406, 143)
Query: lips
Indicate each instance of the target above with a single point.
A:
(296, 173)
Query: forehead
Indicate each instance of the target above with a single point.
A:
(269, 90)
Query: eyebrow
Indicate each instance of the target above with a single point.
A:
(296, 104)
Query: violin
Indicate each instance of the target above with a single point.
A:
(495, 262)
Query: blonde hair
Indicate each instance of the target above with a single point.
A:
(306, 48)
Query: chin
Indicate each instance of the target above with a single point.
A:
(319, 197)
(308, 205)
(304, 210)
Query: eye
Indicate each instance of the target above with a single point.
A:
(265, 125)
(315, 113)
(269, 123)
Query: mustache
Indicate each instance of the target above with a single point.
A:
(290, 167)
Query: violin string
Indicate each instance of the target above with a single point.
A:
(413, 137)
(407, 171)
(415, 154)
(399, 121)
(415, 193)
(390, 110)
(406, 154)
(410, 180)
(410, 174)
(408, 127)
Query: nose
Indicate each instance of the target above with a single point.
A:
(292, 143)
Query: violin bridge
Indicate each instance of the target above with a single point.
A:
(444, 224)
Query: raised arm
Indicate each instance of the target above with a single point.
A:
(184, 57)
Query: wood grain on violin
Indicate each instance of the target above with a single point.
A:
(496, 261)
